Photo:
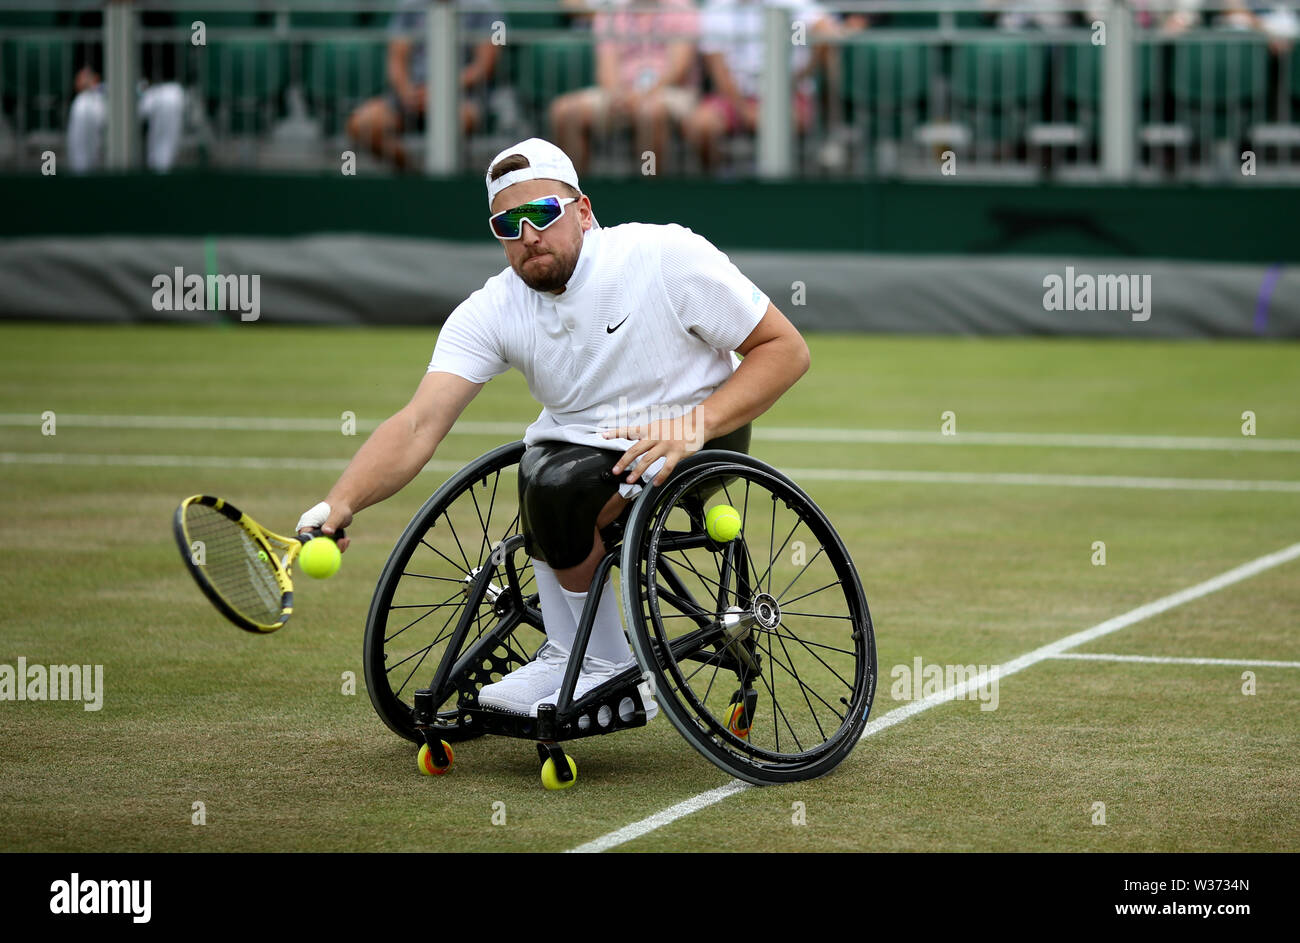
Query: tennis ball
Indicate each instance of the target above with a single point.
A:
(320, 558)
(722, 522)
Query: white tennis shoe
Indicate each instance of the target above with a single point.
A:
(520, 691)
(596, 671)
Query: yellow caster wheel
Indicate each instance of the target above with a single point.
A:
(551, 779)
(427, 765)
(736, 723)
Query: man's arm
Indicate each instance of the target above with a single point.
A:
(775, 357)
(399, 448)
(479, 69)
(681, 56)
(398, 68)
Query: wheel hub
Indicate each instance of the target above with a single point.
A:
(767, 611)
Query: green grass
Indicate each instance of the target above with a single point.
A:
(257, 728)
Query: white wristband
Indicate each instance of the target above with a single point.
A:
(314, 518)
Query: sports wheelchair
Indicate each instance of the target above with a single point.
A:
(759, 649)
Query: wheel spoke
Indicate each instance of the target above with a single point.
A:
(786, 602)
(771, 563)
(801, 572)
(806, 667)
(796, 638)
(770, 683)
(469, 567)
(803, 688)
(453, 563)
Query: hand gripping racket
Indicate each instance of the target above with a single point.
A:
(241, 566)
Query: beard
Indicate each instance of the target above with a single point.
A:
(550, 277)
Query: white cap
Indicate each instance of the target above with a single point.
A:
(545, 162)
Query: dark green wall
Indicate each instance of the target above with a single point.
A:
(1248, 224)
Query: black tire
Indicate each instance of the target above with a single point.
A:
(713, 627)
(450, 537)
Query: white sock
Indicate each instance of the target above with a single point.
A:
(561, 628)
(607, 639)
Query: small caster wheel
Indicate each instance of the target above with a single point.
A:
(736, 723)
(427, 764)
(551, 778)
(740, 718)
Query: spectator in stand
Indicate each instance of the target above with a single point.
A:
(1279, 24)
(646, 78)
(732, 44)
(379, 123)
(160, 104)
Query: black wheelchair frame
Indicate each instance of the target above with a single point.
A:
(727, 634)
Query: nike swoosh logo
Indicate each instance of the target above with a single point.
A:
(611, 330)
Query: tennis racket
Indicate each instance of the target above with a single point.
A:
(242, 567)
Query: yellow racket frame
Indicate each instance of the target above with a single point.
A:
(281, 551)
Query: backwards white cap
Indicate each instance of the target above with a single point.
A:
(545, 162)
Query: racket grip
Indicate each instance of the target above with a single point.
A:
(316, 532)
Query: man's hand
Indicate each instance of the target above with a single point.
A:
(667, 439)
(747, 108)
(627, 102)
(329, 518)
(412, 98)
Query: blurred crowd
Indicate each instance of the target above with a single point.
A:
(667, 68)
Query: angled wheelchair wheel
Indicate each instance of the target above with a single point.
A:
(760, 648)
(426, 587)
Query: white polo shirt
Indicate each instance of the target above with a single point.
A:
(644, 330)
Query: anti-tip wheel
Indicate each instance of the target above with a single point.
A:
(425, 760)
(551, 779)
(738, 723)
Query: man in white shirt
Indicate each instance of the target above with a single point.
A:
(609, 326)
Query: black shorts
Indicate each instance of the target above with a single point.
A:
(562, 488)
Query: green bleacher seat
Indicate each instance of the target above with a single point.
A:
(546, 69)
(37, 77)
(218, 20)
(1081, 75)
(884, 83)
(338, 75)
(911, 21)
(348, 67)
(987, 71)
(1216, 73)
(318, 19)
(247, 77)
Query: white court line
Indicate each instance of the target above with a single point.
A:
(1029, 439)
(817, 474)
(196, 461)
(1165, 660)
(671, 814)
(637, 829)
(514, 430)
(1026, 479)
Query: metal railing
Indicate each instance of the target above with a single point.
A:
(910, 88)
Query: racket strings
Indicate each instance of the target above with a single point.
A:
(235, 565)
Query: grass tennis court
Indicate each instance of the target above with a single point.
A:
(970, 569)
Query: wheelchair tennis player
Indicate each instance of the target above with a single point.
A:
(628, 337)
